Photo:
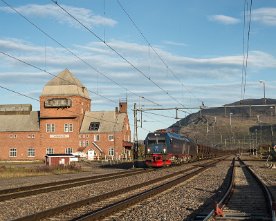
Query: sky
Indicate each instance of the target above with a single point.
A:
(159, 54)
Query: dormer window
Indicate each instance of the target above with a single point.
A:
(94, 126)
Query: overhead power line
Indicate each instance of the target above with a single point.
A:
(246, 19)
(115, 51)
(35, 99)
(47, 72)
(75, 55)
(18, 93)
(154, 50)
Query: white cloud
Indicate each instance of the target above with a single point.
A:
(175, 43)
(196, 72)
(265, 16)
(223, 19)
(84, 15)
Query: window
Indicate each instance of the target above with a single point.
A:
(49, 150)
(50, 128)
(13, 152)
(86, 143)
(94, 126)
(111, 151)
(31, 152)
(31, 136)
(110, 137)
(68, 127)
(69, 150)
(80, 143)
(96, 137)
(13, 136)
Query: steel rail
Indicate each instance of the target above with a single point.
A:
(269, 197)
(123, 204)
(105, 196)
(13, 193)
(228, 192)
(268, 194)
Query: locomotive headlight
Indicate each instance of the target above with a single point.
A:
(164, 150)
(148, 150)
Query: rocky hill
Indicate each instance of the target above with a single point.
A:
(244, 124)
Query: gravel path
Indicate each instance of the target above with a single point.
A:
(267, 174)
(16, 208)
(184, 201)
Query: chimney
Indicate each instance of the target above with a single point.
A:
(123, 106)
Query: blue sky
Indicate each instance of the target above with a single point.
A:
(183, 53)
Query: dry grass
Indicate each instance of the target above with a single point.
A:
(11, 171)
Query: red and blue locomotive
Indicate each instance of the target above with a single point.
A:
(162, 147)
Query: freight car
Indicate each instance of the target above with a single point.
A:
(162, 148)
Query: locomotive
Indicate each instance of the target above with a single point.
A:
(162, 148)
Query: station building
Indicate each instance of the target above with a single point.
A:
(65, 124)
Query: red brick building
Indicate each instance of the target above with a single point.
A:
(64, 125)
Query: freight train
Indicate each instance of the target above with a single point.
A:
(162, 148)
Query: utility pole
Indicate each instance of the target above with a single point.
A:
(135, 147)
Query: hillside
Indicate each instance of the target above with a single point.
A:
(239, 124)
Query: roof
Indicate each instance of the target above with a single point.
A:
(65, 84)
(110, 121)
(19, 122)
(15, 107)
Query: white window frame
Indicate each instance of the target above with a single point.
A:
(50, 128)
(111, 151)
(110, 137)
(13, 152)
(68, 128)
(68, 150)
(96, 137)
(31, 152)
(50, 150)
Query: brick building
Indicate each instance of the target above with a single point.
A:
(65, 124)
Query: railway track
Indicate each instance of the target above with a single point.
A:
(13, 193)
(98, 207)
(247, 198)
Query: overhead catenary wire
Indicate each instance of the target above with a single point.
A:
(243, 49)
(248, 15)
(75, 55)
(154, 50)
(18, 93)
(116, 52)
(47, 72)
(35, 99)
(41, 69)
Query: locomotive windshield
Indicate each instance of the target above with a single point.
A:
(156, 139)
(159, 140)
